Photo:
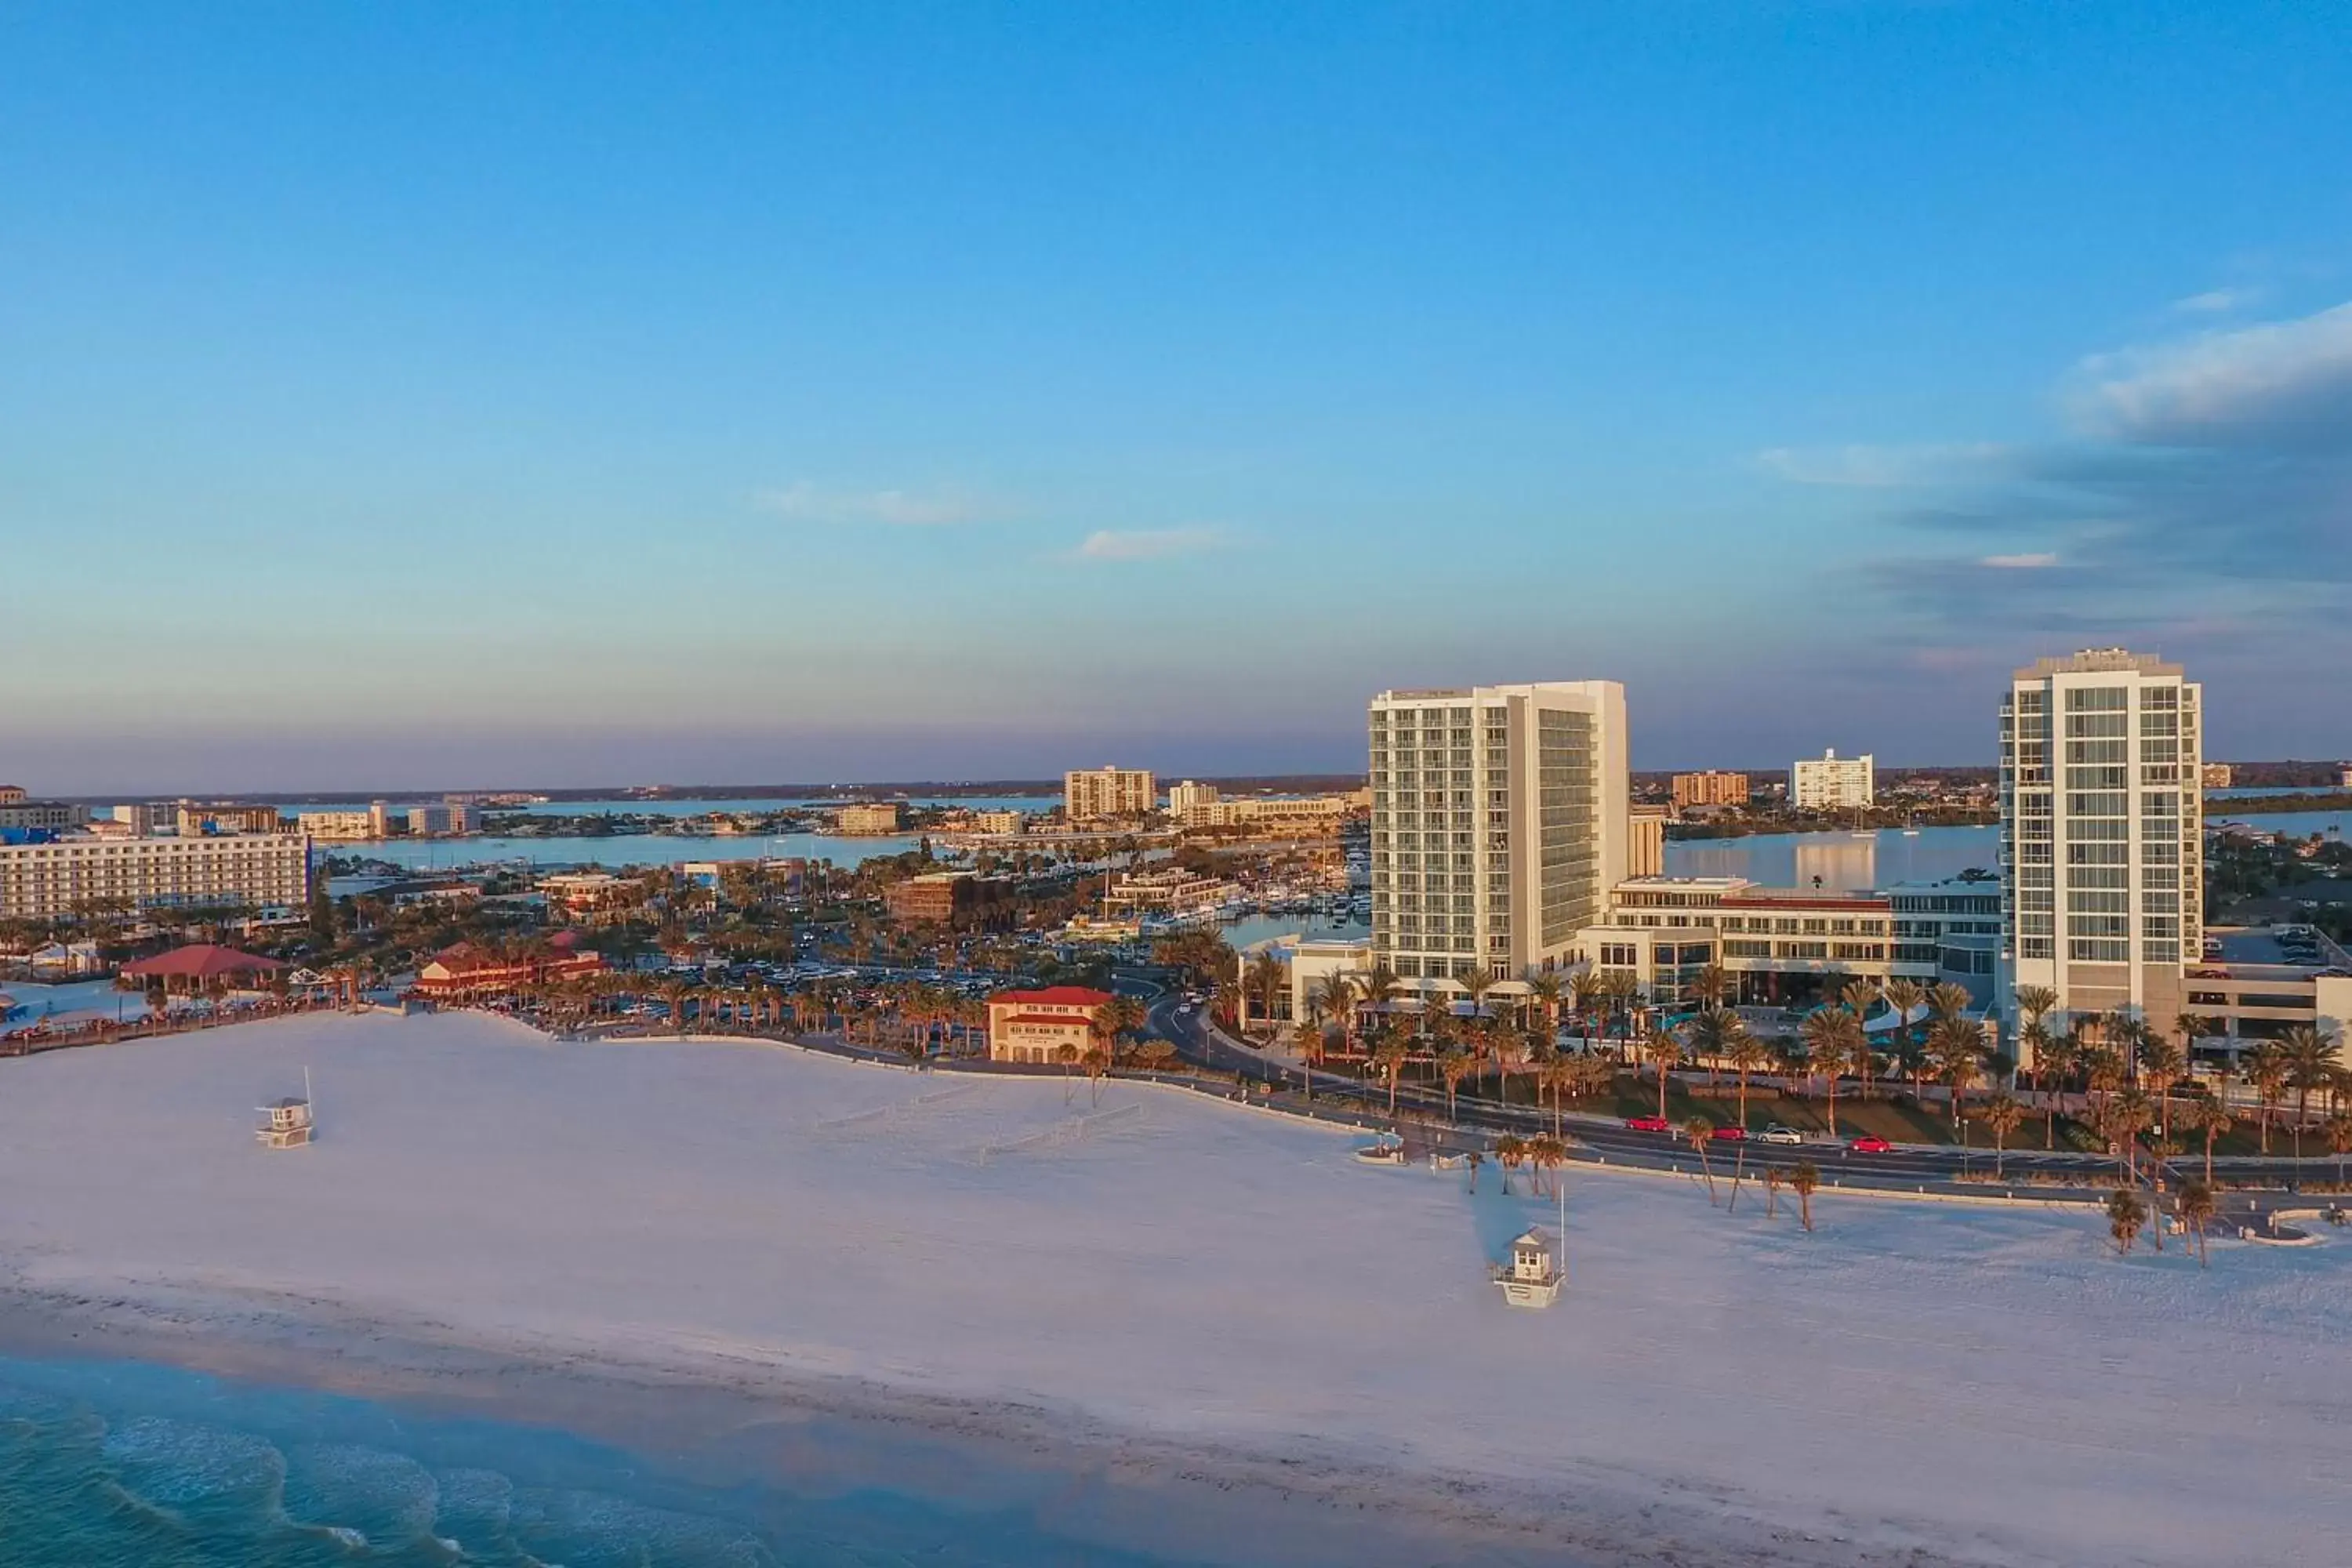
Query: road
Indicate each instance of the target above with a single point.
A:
(2029, 1172)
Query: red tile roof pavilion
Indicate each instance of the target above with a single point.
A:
(200, 960)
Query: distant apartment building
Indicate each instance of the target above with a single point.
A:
(2344, 777)
(1832, 783)
(1315, 814)
(338, 826)
(870, 817)
(1191, 804)
(1037, 1026)
(2217, 775)
(1499, 824)
(12, 795)
(198, 818)
(146, 819)
(1008, 821)
(1711, 788)
(2102, 833)
(1102, 795)
(41, 815)
(39, 881)
(1169, 891)
(937, 897)
(442, 821)
(587, 893)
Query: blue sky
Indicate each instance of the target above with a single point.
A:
(440, 396)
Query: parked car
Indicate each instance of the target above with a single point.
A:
(1729, 1135)
(1779, 1132)
(1871, 1144)
(1648, 1124)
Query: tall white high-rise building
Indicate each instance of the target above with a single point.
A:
(1092, 795)
(2102, 833)
(1832, 783)
(1499, 825)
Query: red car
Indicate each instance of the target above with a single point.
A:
(1729, 1135)
(1648, 1124)
(1870, 1144)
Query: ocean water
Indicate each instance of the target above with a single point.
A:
(107, 1463)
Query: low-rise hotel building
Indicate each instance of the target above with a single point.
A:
(937, 897)
(1036, 1025)
(1711, 788)
(870, 818)
(40, 815)
(40, 881)
(195, 818)
(464, 971)
(340, 827)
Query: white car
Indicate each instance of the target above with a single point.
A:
(1779, 1133)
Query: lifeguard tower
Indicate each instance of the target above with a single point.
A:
(1532, 1278)
(290, 1124)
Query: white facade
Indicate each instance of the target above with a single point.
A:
(1093, 795)
(39, 881)
(1499, 824)
(1832, 783)
(1192, 805)
(337, 824)
(2102, 832)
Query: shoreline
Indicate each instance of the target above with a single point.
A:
(731, 1422)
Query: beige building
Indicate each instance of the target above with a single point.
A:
(1317, 815)
(2102, 832)
(1499, 824)
(2217, 775)
(263, 869)
(1008, 821)
(56, 816)
(1098, 795)
(1192, 805)
(337, 826)
(871, 817)
(1035, 1026)
(1832, 783)
(146, 817)
(195, 818)
(1646, 841)
(1711, 788)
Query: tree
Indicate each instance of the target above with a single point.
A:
(2126, 1114)
(2004, 1116)
(1710, 1038)
(2338, 1129)
(1545, 988)
(2310, 1064)
(2162, 1064)
(1905, 998)
(2053, 1060)
(1831, 1034)
(1389, 1056)
(1701, 1132)
(1747, 1053)
(1475, 981)
(2127, 1213)
(1772, 1191)
(1097, 1062)
(1803, 1177)
(1452, 1065)
(1663, 1049)
(2035, 1002)
(2210, 1117)
(2266, 1069)
(1547, 1154)
(1336, 996)
(2195, 1205)
(1956, 1048)
(1857, 995)
(1711, 985)
(1262, 981)
(1067, 1055)
(1510, 1152)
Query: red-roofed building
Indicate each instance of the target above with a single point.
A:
(1034, 1026)
(465, 971)
(199, 964)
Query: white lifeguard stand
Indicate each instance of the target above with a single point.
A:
(1532, 1278)
(290, 1125)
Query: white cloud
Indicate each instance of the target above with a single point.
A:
(2281, 380)
(1883, 467)
(804, 503)
(2216, 301)
(2033, 560)
(1146, 543)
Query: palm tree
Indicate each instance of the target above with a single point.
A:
(1904, 997)
(1311, 1045)
(1701, 1132)
(1857, 995)
(1261, 982)
(1710, 985)
(1624, 993)
(2054, 1061)
(1454, 1066)
(2209, 1116)
(1664, 1050)
(1097, 1062)
(2127, 1115)
(1958, 1048)
(1337, 998)
(2311, 1064)
(1747, 1053)
(1120, 1019)
(2195, 1205)
(2004, 1116)
(1067, 1055)
(2338, 1128)
(1710, 1038)
(1510, 1151)
(2126, 1214)
(1829, 1034)
(1389, 1056)
(2266, 1068)
(1803, 1177)
(1586, 988)
(2035, 1002)
(1378, 988)
(2161, 1065)
(1547, 1155)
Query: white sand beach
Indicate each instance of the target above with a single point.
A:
(1209, 1296)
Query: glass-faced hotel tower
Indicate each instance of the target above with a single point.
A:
(1499, 825)
(2102, 833)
